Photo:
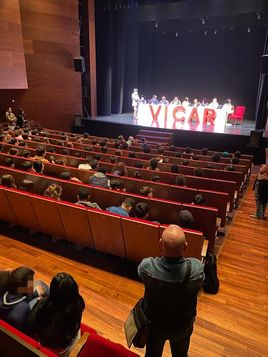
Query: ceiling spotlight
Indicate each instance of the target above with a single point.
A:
(258, 14)
(156, 25)
(203, 20)
(215, 32)
(205, 33)
(176, 34)
(249, 29)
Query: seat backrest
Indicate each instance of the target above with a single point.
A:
(98, 346)
(76, 224)
(7, 213)
(23, 209)
(141, 238)
(107, 232)
(15, 343)
(239, 111)
(164, 211)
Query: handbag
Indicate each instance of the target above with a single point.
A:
(137, 326)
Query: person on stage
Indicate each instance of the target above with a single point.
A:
(204, 102)
(153, 100)
(196, 103)
(135, 102)
(176, 101)
(143, 100)
(214, 104)
(227, 108)
(186, 102)
(164, 101)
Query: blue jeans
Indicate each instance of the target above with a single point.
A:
(260, 206)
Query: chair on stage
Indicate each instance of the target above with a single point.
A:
(238, 115)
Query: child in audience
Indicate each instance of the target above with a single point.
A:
(83, 198)
(124, 209)
(119, 169)
(141, 210)
(146, 191)
(8, 181)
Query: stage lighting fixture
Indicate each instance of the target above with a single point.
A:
(249, 29)
(203, 20)
(205, 33)
(215, 32)
(258, 14)
(176, 34)
(156, 25)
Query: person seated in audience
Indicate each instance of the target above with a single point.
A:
(9, 162)
(119, 169)
(85, 135)
(172, 148)
(185, 162)
(174, 169)
(118, 153)
(161, 150)
(65, 152)
(199, 200)
(117, 144)
(153, 100)
(99, 178)
(40, 154)
(38, 167)
(53, 191)
(13, 151)
(186, 219)
(89, 148)
(164, 101)
(204, 151)
(17, 134)
(237, 154)
(153, 164)
(8, 181)
(225, 154)
(132, 154)
(27, 166)
(230, 167)
(10, 117)
(175, 101)
(55, 321)
(66, 175)
(97, 157)
(188, 150)
(146, 149)
(21, 119)
(124, 145)
(27, 185)
(195, 157)
(124, 209)
(137, 175)
(216, 157)
(104, 149)
(235, 160)
(60, 162)
(185, 102)
(22, 143)
(178, 154)
(199, 172)
(130, 140)
(146, 191)
(181, 180)
(141, 210)
(117, 185)
(113, 159)
(156, 178)
(86, 164)
(83, 198)
(4, 276)
(26, 153)
(20, 296)
(94, 164)
(214, 104)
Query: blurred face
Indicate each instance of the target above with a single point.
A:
(29, 288)
(9, 110)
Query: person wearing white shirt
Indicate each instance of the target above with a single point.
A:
(214, 104)
(186, 102)
(135, 102)
(164, 101)
(176, 101)
(227, 109)
(196, 103)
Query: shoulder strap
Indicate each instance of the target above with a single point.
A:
(188, 273)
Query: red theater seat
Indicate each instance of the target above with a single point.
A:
(6, 211)
(238, 114)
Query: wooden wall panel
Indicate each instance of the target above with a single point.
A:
(50, 34)
(12, 61)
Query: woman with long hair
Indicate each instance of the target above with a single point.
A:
(119, 169)
(53, 191)
(56, 319)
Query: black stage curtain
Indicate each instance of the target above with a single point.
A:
(262, 96)
(225, 65)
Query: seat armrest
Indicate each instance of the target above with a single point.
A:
(79, 345)
(204, 249)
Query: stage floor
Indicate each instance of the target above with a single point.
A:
(127, 118)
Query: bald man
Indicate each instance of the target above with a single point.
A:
(172, 284)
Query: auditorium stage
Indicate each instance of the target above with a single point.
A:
(227, 138)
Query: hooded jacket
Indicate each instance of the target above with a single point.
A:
(99, 179)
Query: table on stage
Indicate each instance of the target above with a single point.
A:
(178, 117)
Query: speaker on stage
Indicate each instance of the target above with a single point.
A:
(255, 138)
(79, 64)
(77, 120)
(264, 64)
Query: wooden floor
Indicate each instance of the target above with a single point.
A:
(233, 323)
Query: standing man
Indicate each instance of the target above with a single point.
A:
(10, 117)
(172, 284)
(135, 102)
